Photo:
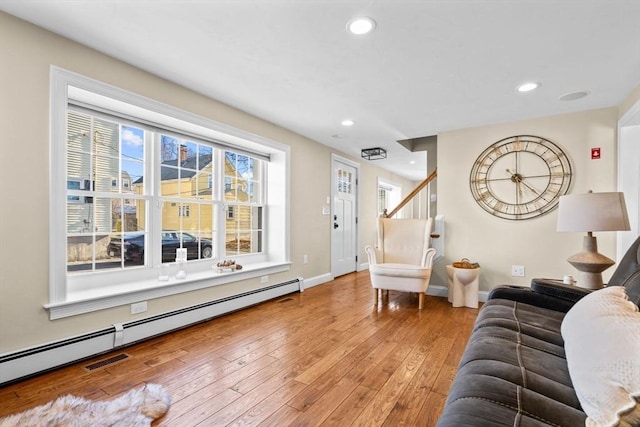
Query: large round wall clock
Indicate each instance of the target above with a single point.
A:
(520, 177)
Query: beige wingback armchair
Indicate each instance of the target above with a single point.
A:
(403, 258)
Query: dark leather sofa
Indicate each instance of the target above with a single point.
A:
(513, 371)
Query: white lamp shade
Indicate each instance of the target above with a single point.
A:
(593, 212)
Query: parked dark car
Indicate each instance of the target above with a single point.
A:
(134, 246)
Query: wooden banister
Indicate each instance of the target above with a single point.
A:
(411, 195)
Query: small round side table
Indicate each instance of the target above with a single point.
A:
(463, 286)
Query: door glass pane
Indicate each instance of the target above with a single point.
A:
(344, 183)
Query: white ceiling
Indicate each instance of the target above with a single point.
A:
(430, 66)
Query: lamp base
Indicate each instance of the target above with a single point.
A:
(590, 264)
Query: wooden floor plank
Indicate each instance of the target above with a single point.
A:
(327, 357)
(407, 408)
(350, 408)
(267, 407)
(376, 412)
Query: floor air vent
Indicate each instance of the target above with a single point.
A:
(106, 362)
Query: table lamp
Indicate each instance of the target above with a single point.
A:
(592, 212)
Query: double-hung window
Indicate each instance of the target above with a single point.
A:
(134, 181)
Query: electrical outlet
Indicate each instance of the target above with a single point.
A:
(305, 259)
(264, 279)
(517, 270)
(139, 307)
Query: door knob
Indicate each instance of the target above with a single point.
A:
(335, 225)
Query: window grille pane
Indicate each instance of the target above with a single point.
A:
(244, 229)
(105, 169)
(232, 244)
(169, 150)
(204, 184)
(127, 249)
(106, 138)
(255, 191)
(169, 181)
(78, 131)
(205, 156)
(230, 189)
(80, 253)
(79, 216)
(132, 177)
(132, 143)
(79, 168)
(132, 160)
(170, 218)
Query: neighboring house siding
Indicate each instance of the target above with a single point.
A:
(91, 145)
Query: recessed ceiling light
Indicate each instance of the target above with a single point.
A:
(572, 96)
(361, 25)
(528, 87)
(412, 162)
(347, 122)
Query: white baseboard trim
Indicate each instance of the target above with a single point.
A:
(23, 363)
(363, 266)
(317, 280)
(443, 291)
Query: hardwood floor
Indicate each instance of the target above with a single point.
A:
(323, 357)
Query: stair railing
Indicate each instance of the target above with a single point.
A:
(411, 195)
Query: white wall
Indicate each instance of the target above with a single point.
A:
(496, 243)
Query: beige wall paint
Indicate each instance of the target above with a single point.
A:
(497, 244)
(26, 54)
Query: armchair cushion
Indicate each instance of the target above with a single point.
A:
(400, 270)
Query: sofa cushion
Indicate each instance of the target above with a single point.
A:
(602, 343)
(513, 371)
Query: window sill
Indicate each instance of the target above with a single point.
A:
(81, 302)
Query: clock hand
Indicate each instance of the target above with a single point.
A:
(533, 190)
(535, 176)
(519, 189)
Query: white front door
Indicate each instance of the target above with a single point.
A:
(344, 216)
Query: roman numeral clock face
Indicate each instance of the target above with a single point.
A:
(520, 177)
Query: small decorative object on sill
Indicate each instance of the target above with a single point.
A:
(164, 272)
(228, 265)
(181, 260)
(465, 263)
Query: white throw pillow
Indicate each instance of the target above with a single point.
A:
(602, 345)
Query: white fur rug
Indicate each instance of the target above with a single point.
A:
(137, 408)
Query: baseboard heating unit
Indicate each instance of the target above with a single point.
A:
(20, 364)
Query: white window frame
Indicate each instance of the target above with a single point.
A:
(74, 294)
